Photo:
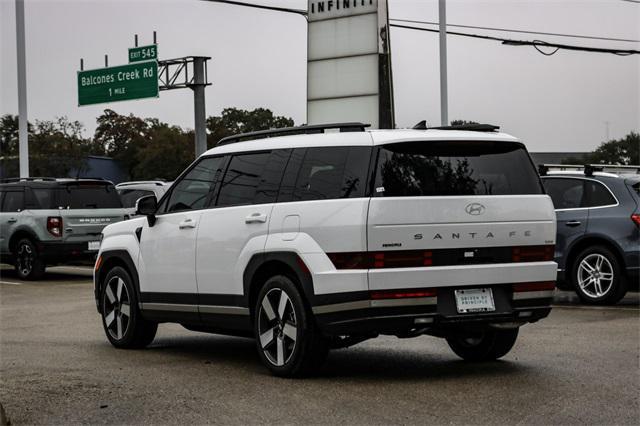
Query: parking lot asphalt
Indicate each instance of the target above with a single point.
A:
(580, 365)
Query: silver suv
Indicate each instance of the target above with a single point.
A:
(45, 221)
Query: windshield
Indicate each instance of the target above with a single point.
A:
(448, 168)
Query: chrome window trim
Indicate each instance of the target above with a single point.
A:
(585, 208)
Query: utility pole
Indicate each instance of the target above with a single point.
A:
(198, 85)
(444, 103)
(23, 123)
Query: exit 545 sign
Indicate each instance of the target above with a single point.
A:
(125, 82)
(143, 53)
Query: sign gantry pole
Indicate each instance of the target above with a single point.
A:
(198, 85)
(23, 123)
(444, 101)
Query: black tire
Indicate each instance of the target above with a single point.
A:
(484, 346)
(275, 328)
(117, 299)
(28, 262)
(607, 292)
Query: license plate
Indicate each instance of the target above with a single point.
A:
(474, 300)
(94, 245)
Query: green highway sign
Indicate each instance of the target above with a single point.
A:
(143, 53)
(122, 83)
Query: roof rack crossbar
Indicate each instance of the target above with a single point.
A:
(283, 131)
(588, 169)
(470, 127)
(28, 179)
(475, 127)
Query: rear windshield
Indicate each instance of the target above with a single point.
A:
(87, 196)
(446, 168)
(130, 196)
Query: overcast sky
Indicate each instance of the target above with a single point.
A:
(554, 103)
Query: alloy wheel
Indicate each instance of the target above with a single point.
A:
(116, 308)
(25, 259)
(277, 327)
(595, 275)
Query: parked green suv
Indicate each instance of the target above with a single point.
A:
(46, 221)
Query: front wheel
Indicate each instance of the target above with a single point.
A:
(123, 324)
(487, 345)
(288, 342)
(597, 276)
(28, 263)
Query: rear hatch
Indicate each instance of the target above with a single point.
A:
(457, 207)
(86, 207)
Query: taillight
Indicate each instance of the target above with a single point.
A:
(402, 259)
(532, 253)
(537, 286)
(350, 260)
(636, 218)
(382, 259)
(403, 294)
(54, 226)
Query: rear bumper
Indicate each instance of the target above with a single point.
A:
(58, 251)
(438, 314)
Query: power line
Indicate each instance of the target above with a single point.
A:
(519, 31)
(261, 6)
(535, 43)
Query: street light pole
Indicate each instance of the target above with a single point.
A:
(444, 103)
(23, 131)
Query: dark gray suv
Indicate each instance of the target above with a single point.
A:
(598, 217)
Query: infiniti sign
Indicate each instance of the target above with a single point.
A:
(474, 209)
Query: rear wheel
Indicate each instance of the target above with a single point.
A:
(597, 276)
(123, 324)
(288, 342)
(483, 346)
(28, 263)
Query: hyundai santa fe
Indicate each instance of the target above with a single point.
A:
(309, 240)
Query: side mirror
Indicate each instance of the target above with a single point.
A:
(147, 206)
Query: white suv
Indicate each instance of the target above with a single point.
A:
(311, 240)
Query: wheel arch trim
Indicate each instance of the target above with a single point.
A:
(290, 260)
(112, 258)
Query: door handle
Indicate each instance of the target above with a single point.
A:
(573, 223)
(12, 220)
(256, 218)
(187, 223)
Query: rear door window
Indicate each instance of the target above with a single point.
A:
(44, 197)
(13, 201)
(446, 168)
(597, 195)
(566, 193)
(326, 173)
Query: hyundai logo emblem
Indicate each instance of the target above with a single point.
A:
(474, 209)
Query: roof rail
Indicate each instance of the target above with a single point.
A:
(27, 179)
(588, 169)
(283, 131)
